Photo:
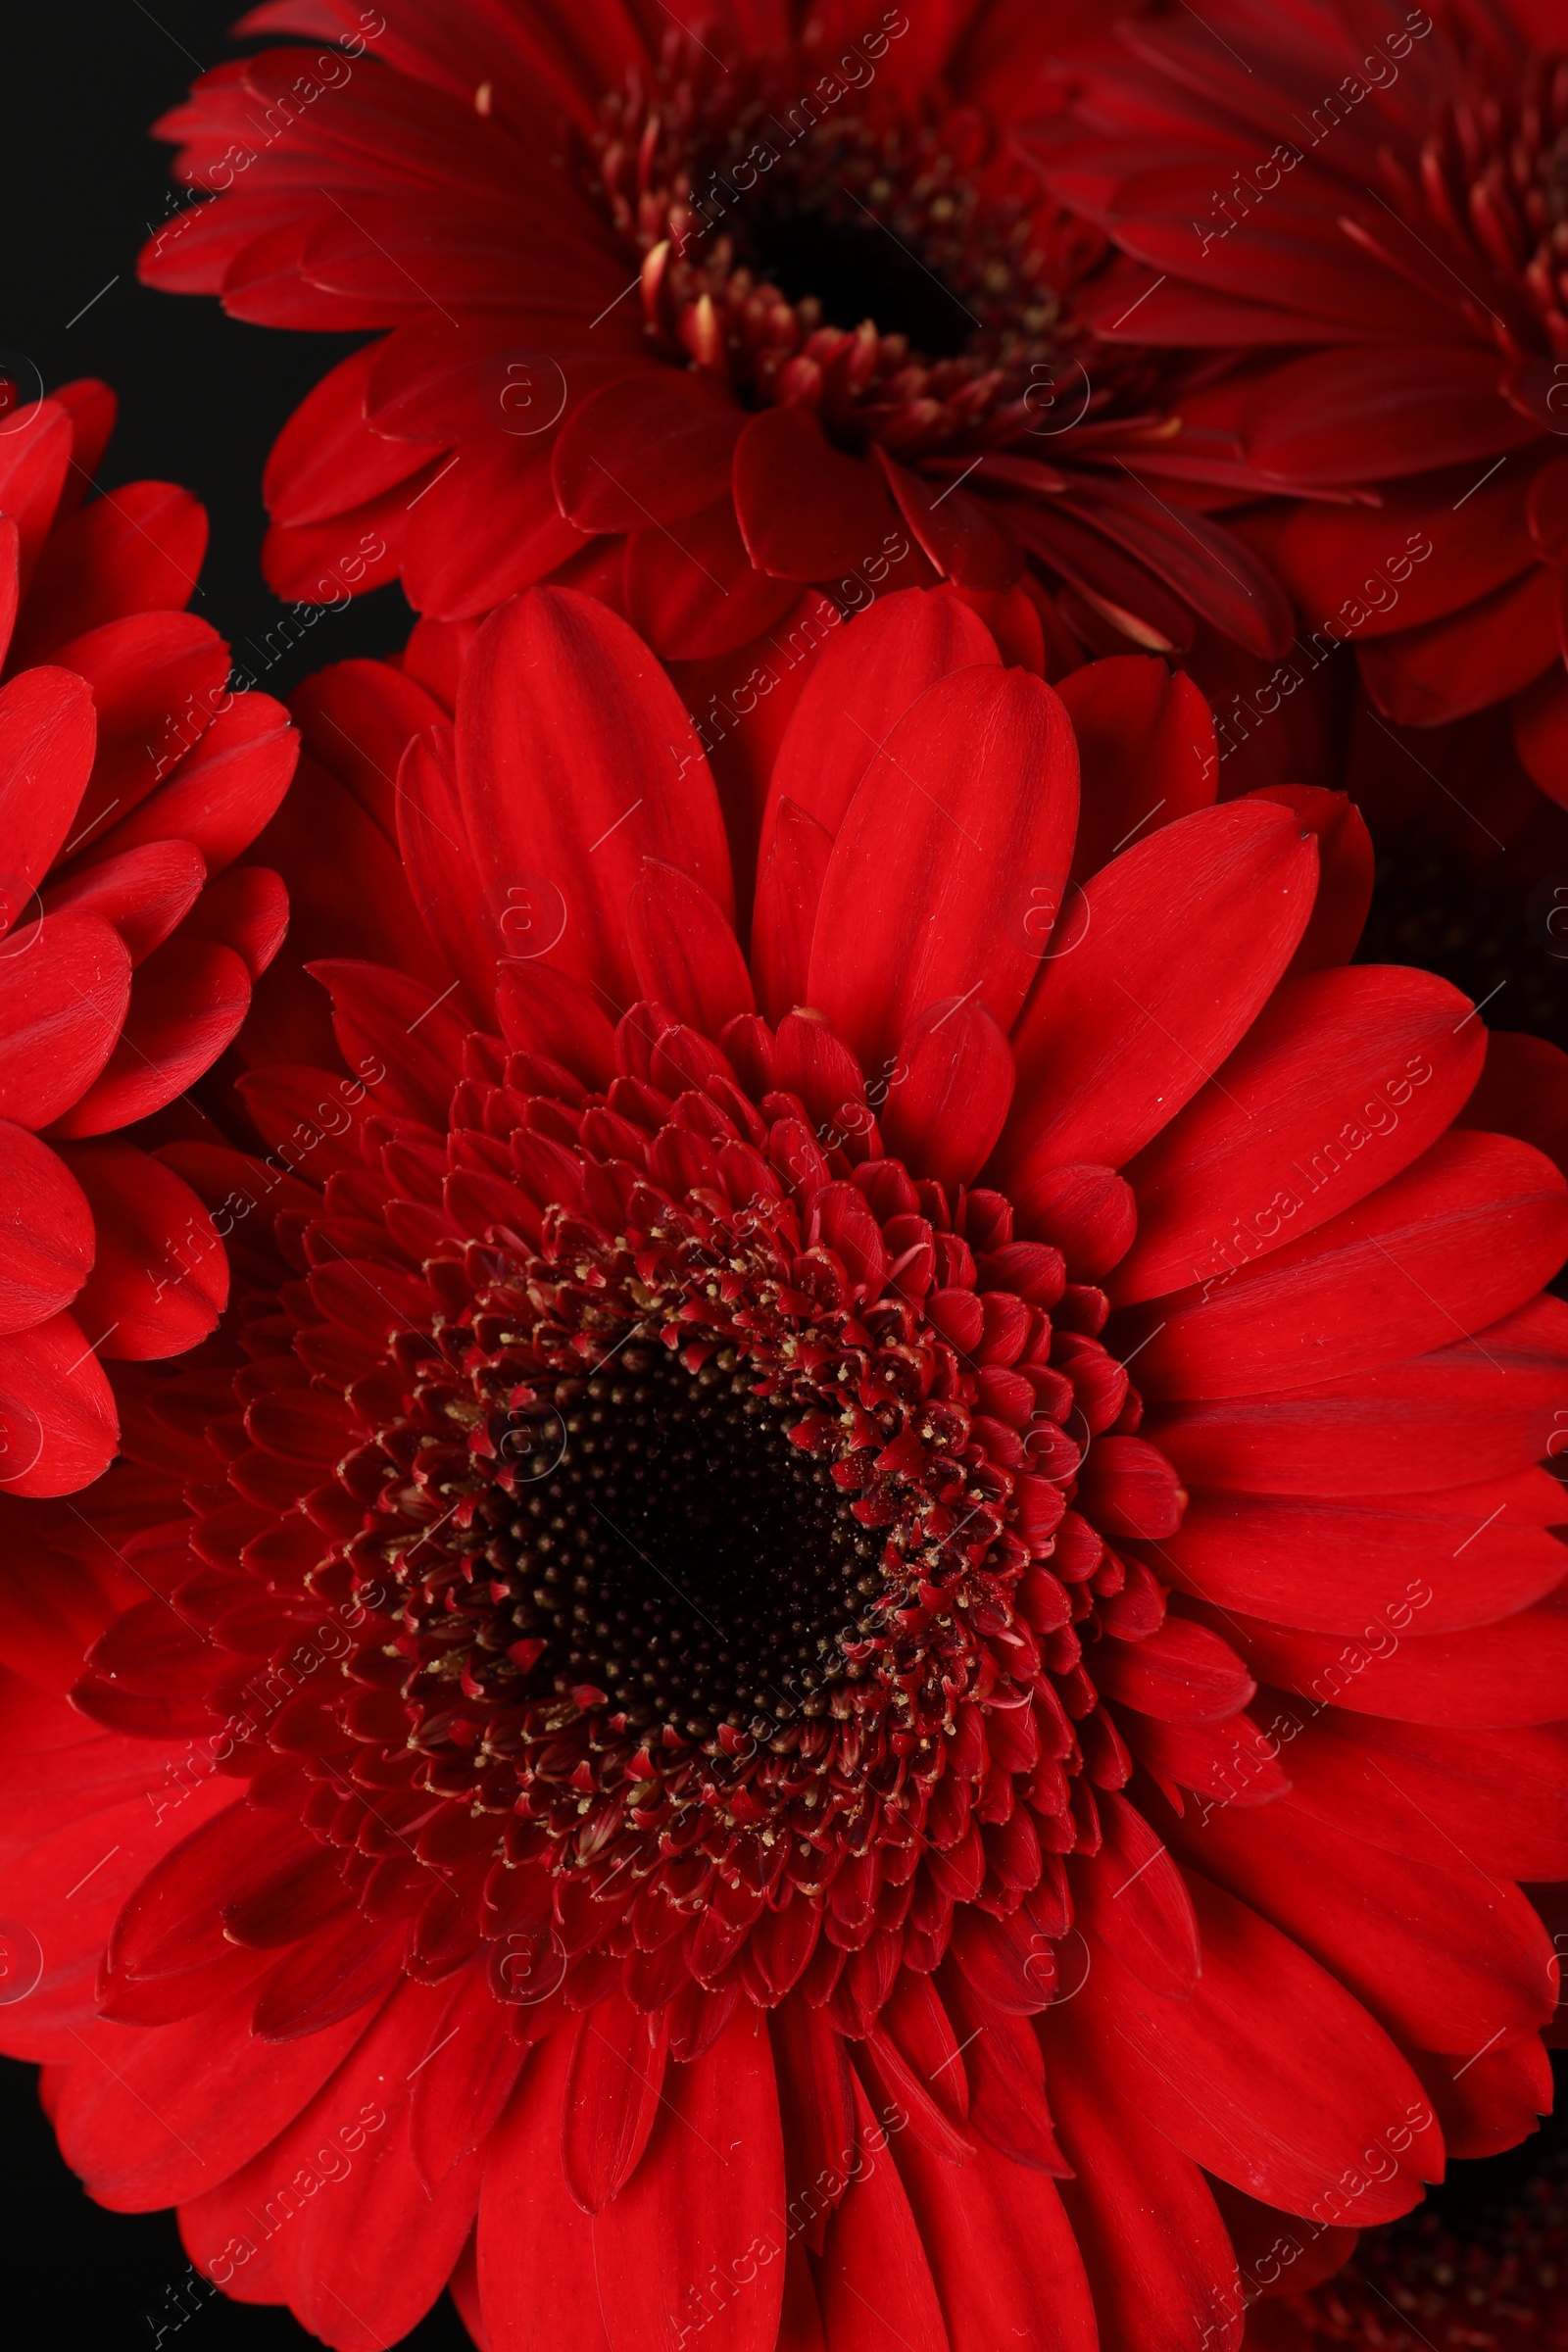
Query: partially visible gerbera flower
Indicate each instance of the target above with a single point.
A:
(1381, 193)
(699, 314)
(696, 1728)
(129, 779)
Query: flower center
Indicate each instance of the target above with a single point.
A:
(681, 1555)
(895, 273)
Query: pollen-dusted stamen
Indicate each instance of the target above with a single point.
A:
(888, 269)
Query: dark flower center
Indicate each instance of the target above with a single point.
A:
(681, 1555)
(898, 272)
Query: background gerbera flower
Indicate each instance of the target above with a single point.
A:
(129, 782)
(696, 316)
(1369, 203)
(698, 1726)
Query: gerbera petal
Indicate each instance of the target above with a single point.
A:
(874, 2281)
(1146, 750)
(652, 448)
(949, 1093)
(1491, 1676)
(1435, 1966)
(695, 2236)
(65, 984)
(159, 1278)
(1127, 1027)
(46, 1238)
(805, 509)
(230, 2093)
(1376, 1283)
(47, 735)
(1155, 2249)
(187, 1002)
(1436, 1420)
(1344, 1079)
(860, 690)
(686, 954)
(976, 787)
(1298, 2120)
(555, 677)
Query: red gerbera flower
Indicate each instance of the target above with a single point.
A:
(701, 1782)
(698, 317)
(1383, 190)
(129, 780)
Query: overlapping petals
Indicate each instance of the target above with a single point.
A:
(130, 781)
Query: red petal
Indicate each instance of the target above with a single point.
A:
(188, 1002)
(1475, 1552)
(46, 1231)
(144, 892)
(860, 688)
(652, 448)
(874, 2241)
(223, 791)
(1489, 1676)
(785, 914)
(156, 679)
(959, 532)
(367, 2250)
(401, 1024)
(229, 2093)
(1448, 668)
(327, 459)
(1465, 1235)
(1132, 1897)
(693, 591)
(969, 807)
(246, 909)
(613, 2096)
(1344, 876)
(1157, 2254)
(556, 687)
(1269, 2074)
(1171, 953)
(1182, 1673)
(1369, 416)
(1344, 1078)
(1000, 2249)
(1146, 751)
(47, 734)
(159, 1278)
(1523, 1091)
(1428, 1792)
(805, 509)
(1434, 1422)
(687, 955)
(65, 984)
(949, 1092)
(1409, 1938)
(133, 549)
(708, 2196)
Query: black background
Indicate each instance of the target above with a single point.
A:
(200, 399)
